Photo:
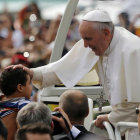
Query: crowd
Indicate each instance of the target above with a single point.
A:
(26, 38)
(31, 35)
(29, 40)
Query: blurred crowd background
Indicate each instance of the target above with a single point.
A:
(28, 27)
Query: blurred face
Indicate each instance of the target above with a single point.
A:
(95, 39)
(31, 136)
(27, 89)
(5, 21)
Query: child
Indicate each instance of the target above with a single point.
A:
(15, 84)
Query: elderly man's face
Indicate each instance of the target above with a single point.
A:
(97, 40)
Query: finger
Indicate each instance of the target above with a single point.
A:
(59, 110)
(95, 123)
(18, 66)
(98, 121)
(56, 109)
(101, 126)
(56, 118)
(15, 66)
(60, 121)
(64, 115)
(8, 67)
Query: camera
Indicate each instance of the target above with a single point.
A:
(57, 128)
(57, 114)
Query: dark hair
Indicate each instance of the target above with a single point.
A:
(36, 128)
(125, 18)
(3, 131)
(10, 78)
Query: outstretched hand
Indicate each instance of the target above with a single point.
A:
(29, 71)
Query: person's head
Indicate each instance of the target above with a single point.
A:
(97, 29)
(36, 131)
(34, 112)
(19, 58)
(75, 105)
(15, 83)
(3, 131)
(124, 20)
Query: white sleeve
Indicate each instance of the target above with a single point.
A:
(40, 81)
(69, 69)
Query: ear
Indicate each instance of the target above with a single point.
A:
(106, 32)
(19, 87)
(52, 125)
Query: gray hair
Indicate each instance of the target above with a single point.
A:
(104, 25)
(34, 112)
(36, 128)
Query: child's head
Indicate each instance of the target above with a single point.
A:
(15, 82)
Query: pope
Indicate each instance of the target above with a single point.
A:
(115, 54)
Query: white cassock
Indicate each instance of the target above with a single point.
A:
(118, 69)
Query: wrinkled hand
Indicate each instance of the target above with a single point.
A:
(30, 72)
(100, 119)
(61, 120)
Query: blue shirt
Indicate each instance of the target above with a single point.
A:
(8, 106)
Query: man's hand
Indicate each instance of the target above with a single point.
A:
(30, 72)
(100, 119)
(61, 120)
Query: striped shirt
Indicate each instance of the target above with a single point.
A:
(8, 106)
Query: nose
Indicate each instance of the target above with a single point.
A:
(86, 44)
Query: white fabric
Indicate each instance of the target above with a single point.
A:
(133, 134)
(75, 132)
(123, 68)
(124, 112)
(97, 15)
(72, 67)
(44, 76)
(120, 67)
(69, 69)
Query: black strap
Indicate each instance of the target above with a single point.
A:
(67, 125)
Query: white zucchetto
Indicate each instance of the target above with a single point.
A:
(97, 15)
